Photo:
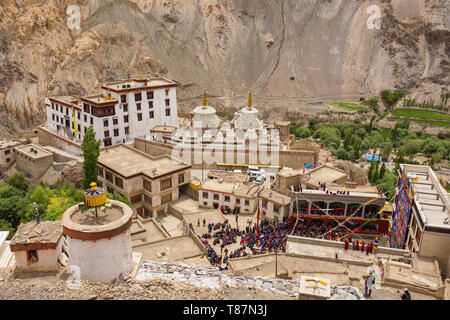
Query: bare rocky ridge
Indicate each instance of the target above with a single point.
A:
(290, 52)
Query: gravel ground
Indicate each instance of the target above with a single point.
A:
(52, 287)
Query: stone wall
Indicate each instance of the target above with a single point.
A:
(286, 158)
(47, 138)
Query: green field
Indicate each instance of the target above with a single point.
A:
(421, 114)
(349, 106)
(431, 123)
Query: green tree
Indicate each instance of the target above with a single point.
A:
(348, 134)
(382, 171)
(91, 151)
(118, 197)
(387, 151)
(6, 226)
(18, 181)
(313, 123)
(303, 133)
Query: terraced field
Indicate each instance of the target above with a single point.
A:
(349, 106)
(421, 114)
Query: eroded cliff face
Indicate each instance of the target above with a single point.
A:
(287, 51)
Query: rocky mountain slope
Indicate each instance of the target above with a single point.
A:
(288, 51)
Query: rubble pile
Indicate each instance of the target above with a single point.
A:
(345, 293)
(211, 277)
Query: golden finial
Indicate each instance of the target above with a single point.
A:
(93, 186)
(205, 100)
(250, 98)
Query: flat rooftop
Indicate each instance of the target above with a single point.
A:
(67, 99)
(31, 232)
(128, 162)
(324, 174)
(138, 83)
(88, 218)
(11, 143)
(171, 250)
(276, 197)
(431, 198)
(236, 188)
(33, 151)
(100, 98)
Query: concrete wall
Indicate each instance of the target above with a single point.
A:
(102, 260)
(35, 167)
(437, 245)
(47, 259)
(209, 201)
(48, 138)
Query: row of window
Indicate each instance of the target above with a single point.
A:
(164, 184)
(138, 96)
(226, 198)
(138, 198)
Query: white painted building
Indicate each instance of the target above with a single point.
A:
(101, 251)
(5, 252)
(37, 247)
(124, 110)
(218, 194)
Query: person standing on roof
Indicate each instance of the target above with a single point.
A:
(406, 295)
(370, 281)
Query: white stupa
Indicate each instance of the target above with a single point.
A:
(205, 116)
(248, 117)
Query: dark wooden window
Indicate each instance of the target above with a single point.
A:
(32, 256)
(100, 171)
(147, 185)
(166, 184)
(106, 133)
(167, 112)
(181, 178)
(85, 118)
(247, 202)
(139, 116)
(105, 123)
(119, 182)
(150, 104)
(125, 108)
(103, 111)
(53, 117)
(216, 196)
(115, 121)
(166, 198)
(167, 102)
(123, 98)
(109, 176)
(92, 120)
(109, 189)
(148, 199)
(125, 119)
(227, 198)
(127, 130)
(167, 92)
(149, 94)
(86, 108)
(205, 195)
(138, 107)
(137, 97)
(136, 199)
(152, 115)
(116, 132)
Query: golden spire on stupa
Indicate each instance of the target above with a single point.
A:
(205, 100)
(250, 98)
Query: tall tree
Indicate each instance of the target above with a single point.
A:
(91, 151)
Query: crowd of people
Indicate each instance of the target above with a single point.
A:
(272, 237)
